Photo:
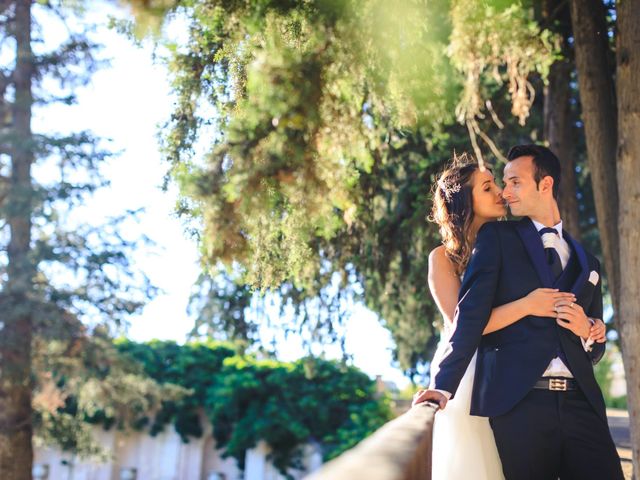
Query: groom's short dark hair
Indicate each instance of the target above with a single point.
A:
(544, 160)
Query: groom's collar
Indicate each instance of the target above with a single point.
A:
(539, 226)
(526, 228)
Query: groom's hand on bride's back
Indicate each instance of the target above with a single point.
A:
(433, 396)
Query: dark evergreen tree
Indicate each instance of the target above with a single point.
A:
(52, 272)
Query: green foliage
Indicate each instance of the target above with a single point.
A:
(323, 126)
(89, 381)
(247, 400)
(498, 41)
(617, 402)
(289, 404)
(603, 374)
(191, 366)
(70, 433)
(294, 89)
(302, 95)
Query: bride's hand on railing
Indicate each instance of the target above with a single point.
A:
(433, 396)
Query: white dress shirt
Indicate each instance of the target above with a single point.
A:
(556, 367)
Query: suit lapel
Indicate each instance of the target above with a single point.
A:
(533, 244)
(581, 278)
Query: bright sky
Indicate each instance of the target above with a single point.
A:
(126, 102)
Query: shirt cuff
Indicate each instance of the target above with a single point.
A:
(444, 392)
(587, 344)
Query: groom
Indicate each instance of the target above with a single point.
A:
(534, 379)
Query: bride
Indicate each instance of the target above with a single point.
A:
(466, 197)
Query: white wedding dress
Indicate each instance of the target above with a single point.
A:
(463, 445)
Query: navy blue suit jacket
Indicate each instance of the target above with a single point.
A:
(507, 263)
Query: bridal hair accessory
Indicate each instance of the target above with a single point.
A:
(449, 189)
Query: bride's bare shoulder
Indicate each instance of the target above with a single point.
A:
(437, 253)
(439, 261)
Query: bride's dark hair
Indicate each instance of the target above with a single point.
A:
(453, 208)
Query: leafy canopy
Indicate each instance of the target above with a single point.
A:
(306, 134)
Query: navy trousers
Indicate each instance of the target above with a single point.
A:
(551, 435)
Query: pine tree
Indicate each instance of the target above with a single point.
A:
(52, 272)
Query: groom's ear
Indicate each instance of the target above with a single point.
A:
(546, 184)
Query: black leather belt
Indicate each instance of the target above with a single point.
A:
(556, 384)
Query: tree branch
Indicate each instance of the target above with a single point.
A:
(5, 81)
(4, 5)
(4, 189)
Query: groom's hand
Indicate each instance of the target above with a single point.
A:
(434, 396)
(572, 317)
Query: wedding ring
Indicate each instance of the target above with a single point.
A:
(571, 305)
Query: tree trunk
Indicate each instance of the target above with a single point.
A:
(558, 128)
(16, 454)
(599, 113)
(628, 89)
(558, 134)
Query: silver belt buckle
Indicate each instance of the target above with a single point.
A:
(558, 384)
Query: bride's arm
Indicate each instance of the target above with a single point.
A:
(444, 283)
(541, 302)
(507, 314)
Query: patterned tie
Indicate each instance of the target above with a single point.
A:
(555, 264)
(553, 258)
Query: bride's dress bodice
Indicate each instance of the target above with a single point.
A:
(447, 327)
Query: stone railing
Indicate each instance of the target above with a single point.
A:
(400, 450)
